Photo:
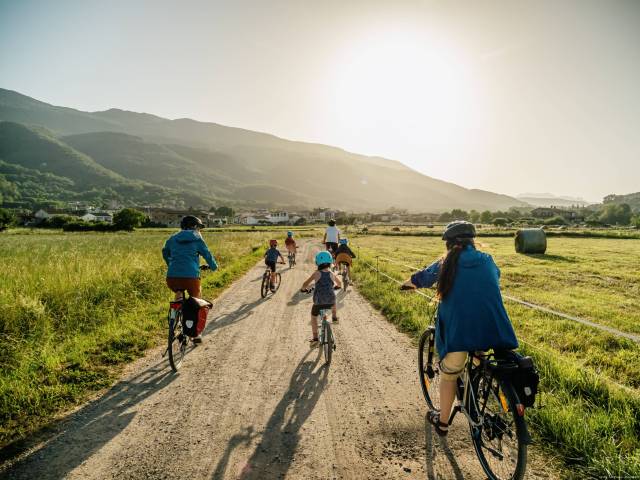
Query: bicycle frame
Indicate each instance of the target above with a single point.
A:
(465, 395)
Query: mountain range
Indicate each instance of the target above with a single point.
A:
(57, 153)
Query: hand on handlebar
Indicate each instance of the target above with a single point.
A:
(407, 286)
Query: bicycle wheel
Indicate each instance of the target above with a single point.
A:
(277, 283)
(328, 344)
(345, 278)
(429, 368)
(264, 288)
(177, 342)
(501, 439)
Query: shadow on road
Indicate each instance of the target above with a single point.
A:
(440, 460)
(227, 319)
(273, 455)
(73, 440)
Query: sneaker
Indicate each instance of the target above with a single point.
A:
(314, 342)
(334, 319)
(197, 339)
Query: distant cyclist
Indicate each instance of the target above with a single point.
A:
(324, 296)
(290, 243)
(270, 259)
(331, 237)
(471, 315)
(182, 252)
(344, 254)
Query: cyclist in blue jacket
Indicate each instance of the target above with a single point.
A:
(471, 315)
(182, 253)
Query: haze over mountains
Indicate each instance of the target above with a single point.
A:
(144, 159)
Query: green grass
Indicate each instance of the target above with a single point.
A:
(589, 408)
(75, 307)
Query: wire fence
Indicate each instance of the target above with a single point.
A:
(533, 306)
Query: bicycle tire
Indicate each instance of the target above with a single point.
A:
(328, 343)
(345, 279)
(429, 368)
(277, 284)
(514, 466)
(176, 339)
(265, 287)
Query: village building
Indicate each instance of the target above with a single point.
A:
(548, 212)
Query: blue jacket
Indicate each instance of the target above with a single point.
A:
(472, 315)
(182, 253)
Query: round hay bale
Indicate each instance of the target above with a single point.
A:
(531, 240)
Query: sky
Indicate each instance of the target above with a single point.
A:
(509, 96)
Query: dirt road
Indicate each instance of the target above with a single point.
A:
(254, 402)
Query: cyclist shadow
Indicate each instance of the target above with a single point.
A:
(71, 441)
(440, 460)
(298, 297)
(230, 318)
(274, 454)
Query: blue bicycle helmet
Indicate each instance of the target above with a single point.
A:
(289, 234)
(323, 258)
(344, 241)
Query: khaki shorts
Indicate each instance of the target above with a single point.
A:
(452, 365)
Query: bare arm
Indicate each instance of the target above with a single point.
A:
(312, 278)
(336, 280)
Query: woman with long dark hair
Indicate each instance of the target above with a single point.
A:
(471, 315)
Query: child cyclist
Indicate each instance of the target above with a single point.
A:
(270, 258)
(471, 315)
(344, 254)
(290, 243)
(324, 296)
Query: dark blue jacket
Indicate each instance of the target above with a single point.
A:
(272, 255)
(182, 253)
(472, 315)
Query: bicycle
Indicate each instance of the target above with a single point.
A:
(292, 259)
(344, 273)
(265, 287)
(487, 398)
(177, 340)
(325, 334)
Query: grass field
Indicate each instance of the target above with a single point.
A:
(73, 307)
(589, 409)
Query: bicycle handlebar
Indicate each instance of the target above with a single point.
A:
(407, 287)
(205, 267)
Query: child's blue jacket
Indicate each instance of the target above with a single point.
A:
(472, 316)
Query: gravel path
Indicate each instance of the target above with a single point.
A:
(254, 402)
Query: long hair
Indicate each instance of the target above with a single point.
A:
(449, 264)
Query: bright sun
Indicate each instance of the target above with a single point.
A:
(404, 87)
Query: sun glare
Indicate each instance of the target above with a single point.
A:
(405, 87)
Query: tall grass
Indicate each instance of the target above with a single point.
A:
(73, 307)
(589, 407)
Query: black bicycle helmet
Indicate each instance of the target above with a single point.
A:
(190, 222)
(332, 223)
(459, 229)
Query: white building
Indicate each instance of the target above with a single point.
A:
(278, 217)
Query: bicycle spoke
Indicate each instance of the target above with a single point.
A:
(500, 450)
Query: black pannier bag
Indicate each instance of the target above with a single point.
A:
(194, 315)
(524, 378)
